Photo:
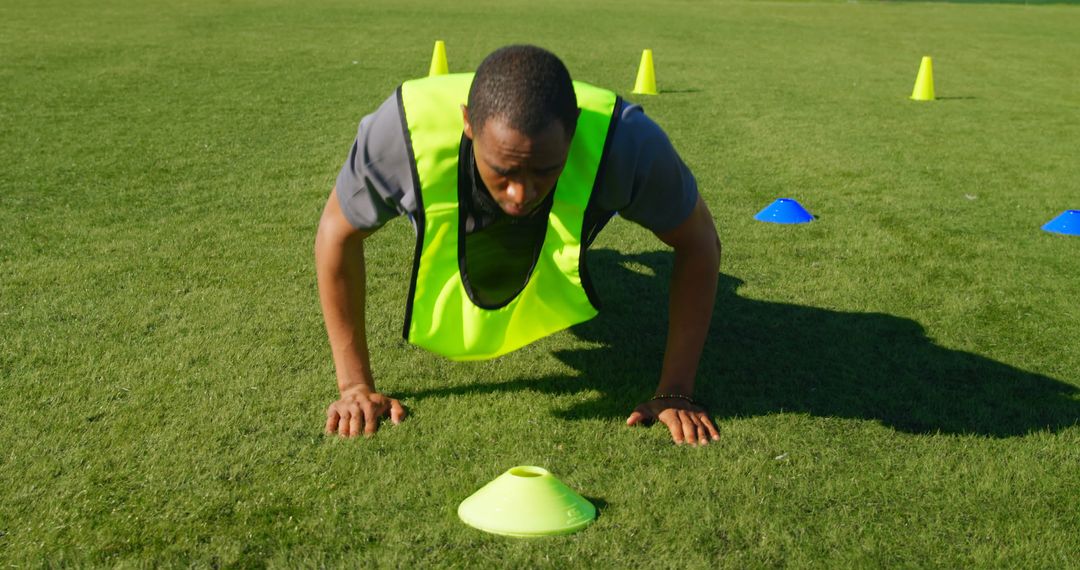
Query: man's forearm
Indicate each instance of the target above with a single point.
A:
(342, 292)
(693, 294)
(690, 307)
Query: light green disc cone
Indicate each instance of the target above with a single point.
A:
(527, 501)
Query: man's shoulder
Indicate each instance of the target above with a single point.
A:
(644, 179)
(386, 117)
(634, 127)
(375, 184)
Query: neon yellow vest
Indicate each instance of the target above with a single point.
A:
(440, 315)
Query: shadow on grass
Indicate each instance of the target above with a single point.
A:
(764, 357)
(600, 504)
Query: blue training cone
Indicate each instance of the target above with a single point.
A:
(1067, 223)
(784, 211)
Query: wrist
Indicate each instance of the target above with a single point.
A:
(356, 388)
(674, 396)
(355, 379)
(680, 388)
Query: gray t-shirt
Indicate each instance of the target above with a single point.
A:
(643, 178)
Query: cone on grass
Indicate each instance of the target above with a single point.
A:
(438, 60)
(1067, 223)
(646, 75)
(527, 501)
(784, 211)
(924, 82)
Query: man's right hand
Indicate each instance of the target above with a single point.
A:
(359, 407)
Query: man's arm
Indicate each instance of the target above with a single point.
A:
(692, 295)
(339, 263)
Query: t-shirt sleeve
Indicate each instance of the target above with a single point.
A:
(644, 179)
(375, 185)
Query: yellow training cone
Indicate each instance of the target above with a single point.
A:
(438, 60)
(646, 75)
(924, 83)
(527, 501)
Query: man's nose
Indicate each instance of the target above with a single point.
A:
(520, 191)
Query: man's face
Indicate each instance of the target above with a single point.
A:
(519, 171)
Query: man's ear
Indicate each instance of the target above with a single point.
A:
(466, 127)
(571, 129)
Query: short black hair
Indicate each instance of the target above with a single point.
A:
(526, 86)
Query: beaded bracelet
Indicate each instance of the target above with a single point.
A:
(678, 396)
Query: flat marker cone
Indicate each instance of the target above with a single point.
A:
(438, 60)
(924, 82)
(784, 211)
(1067, 223)
(646, 75)
(527, 501)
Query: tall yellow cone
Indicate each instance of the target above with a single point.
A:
(924, 82)
(646, 75)
(438, 60)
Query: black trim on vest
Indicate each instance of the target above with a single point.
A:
(418, 218)
(466, 184)
(590, 225)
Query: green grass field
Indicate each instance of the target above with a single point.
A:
(896, 384)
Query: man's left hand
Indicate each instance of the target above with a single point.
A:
(688, 423)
